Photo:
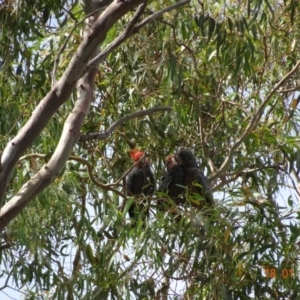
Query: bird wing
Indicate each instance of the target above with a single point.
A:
(140, 180)
(165, 182)
(198, 177)
(130, 181)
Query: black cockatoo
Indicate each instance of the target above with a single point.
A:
(194, 179)
(140, 180)
(172, 183)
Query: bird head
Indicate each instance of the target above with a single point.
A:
(138, 157)
(185, 158)
(171, 159)
(170, 162)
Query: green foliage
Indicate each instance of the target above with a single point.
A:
(214, 63)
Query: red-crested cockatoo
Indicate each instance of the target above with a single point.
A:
(194, 179)
(140, 181)
(173, 182)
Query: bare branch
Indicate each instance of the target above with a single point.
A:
(294, 89)
(236, 104)
(61, 91)
(6, 282)
(160, 13)
(254, 120)
(108, 132)
(224, 182)
(48, 173)
(136, 17)
(63, 47)
(39, 155)
(76, 263)
(235, 175)
(103, 186)
(129, 31)
(118, 41)
(107, 187)
(92, 5)
(43, 178)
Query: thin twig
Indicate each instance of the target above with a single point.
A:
(235, 104)
(89, 169)
(224, 182)
(6, 282)
(296, 88)
(136, 17)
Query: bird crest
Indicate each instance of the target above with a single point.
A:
(171, 163)
(170, 160)
(136, 156)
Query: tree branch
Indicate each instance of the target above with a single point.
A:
(129, 31)
(70, 135)
(48, 173)
(141, 113)
(92, 5)
(225, 181)
(107, 187)
(294, 89)
(254, 120)
(160, 13)
(63, 47)
(136, 17)
(61, 91)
